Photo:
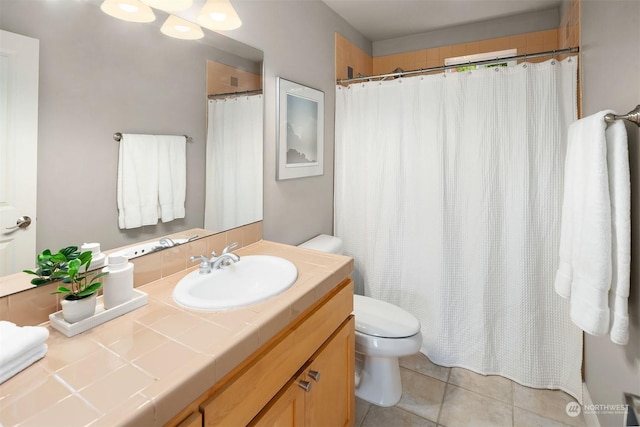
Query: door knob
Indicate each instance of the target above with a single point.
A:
(22, 222)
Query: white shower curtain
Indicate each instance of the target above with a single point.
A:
(234, 162)
(448, 195)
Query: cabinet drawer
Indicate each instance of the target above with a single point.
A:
(249, 390)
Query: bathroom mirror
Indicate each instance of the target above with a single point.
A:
(99, 75)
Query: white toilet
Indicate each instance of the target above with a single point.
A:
(384, 332)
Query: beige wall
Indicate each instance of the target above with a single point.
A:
(610, 33)
(298, 41)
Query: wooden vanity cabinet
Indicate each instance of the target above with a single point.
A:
(193, 420)
(264, 390)
(321, 394)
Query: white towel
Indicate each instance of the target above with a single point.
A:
(28, 359)
(620, 194)
(172, 170)
(18, 347)
(595, 233)
(137, 187)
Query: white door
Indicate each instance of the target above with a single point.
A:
(19, 62)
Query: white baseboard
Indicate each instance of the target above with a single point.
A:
(590, 419)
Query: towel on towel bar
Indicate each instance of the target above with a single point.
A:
(20, 347)
(595, 238)
(137, 185)
(151, 179)
(172, 185)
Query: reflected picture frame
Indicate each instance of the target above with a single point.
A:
(300, 136)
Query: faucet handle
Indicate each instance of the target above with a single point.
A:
(229, 248)
(205, 266)
(200, 258)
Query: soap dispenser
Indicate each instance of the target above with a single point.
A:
(97, 257)
(118, 284)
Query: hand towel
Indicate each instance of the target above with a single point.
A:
(137, 186)
(593, 271)
(29, 358)
(172, 178)
(15, 341)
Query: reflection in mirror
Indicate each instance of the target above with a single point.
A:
(100, 75)
(234, 147)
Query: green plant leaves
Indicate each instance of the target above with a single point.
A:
(70, 252)
(70, 266)
(90, 289)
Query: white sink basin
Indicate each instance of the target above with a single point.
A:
(254, 278)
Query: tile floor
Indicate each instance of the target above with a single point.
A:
(454, 397)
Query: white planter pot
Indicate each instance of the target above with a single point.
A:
(80, 309)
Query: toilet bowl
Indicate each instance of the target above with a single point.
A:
(384, 332)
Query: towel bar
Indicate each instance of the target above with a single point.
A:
(633, 116)
(118, 137)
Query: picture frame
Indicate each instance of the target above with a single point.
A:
(300, 136)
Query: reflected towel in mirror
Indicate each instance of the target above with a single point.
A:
(151, 179)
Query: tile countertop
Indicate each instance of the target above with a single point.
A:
(145, 366)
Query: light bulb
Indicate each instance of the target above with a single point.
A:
(218, 16)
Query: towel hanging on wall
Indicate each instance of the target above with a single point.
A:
(595, 240)
(151, 179)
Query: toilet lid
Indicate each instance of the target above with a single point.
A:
(384, 320)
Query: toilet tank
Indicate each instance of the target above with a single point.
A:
(324, 243)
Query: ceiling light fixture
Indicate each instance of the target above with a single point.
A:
(219, 15)
(181, 29)
(128, 10)
(169, 5)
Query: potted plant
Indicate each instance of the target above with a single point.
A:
(52, 267)
(78, 284)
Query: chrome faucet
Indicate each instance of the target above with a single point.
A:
(224, 260)
(216, 262)
(166, 242)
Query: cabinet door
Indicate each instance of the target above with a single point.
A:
(286, 409)
(331, 400)
(193, 420)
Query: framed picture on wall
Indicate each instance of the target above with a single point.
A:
(300, 137)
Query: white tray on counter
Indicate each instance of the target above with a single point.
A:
(101, 316)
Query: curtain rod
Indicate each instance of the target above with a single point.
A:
(246, 92)
(464, 64)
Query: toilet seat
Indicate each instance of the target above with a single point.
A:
(381, 319)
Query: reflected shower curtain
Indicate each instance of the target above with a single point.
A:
(448, 195)
(234, 162)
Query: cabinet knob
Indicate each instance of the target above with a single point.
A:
(315, 375)
(306, 385)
